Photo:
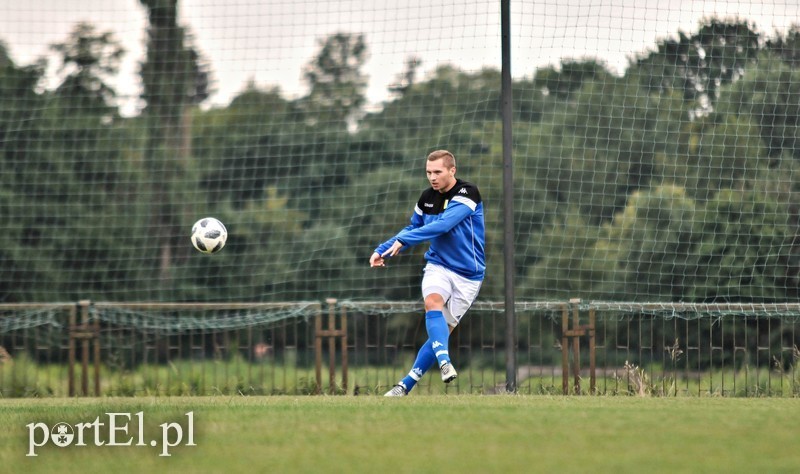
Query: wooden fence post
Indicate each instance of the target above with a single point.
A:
(570, 339)
(332, 334)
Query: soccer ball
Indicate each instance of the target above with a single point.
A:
(209, 235)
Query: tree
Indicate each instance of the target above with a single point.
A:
(245, 148)
(787, 46)
(724, 151)
(569, 77)
(337, 85)
(65, 175)
(86, 62)
(20, 272)
(174, 74)
(423, 117)
(748, 250)
(602, 145)
(697, 64)
(654, 235)
(567, 268)
(174, 78)
(408, 78)
(770, 96)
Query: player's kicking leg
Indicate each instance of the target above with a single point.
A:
(425, 360)
(448, 296)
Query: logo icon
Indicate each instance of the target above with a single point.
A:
(62, 434)
(462, 191)
(436, 344)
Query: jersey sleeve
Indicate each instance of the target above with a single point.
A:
(457, 211)
(415, 222)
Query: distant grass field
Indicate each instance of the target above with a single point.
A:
(461, 434)
(27, 379)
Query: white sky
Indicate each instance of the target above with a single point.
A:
(269, 41)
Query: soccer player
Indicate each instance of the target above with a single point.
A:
(449, 215)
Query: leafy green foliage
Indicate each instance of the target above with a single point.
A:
(336, 81)
(676, 181)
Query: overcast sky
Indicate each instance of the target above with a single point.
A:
(269, 41)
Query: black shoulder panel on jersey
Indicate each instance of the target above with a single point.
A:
(431, 202)
(466, 189)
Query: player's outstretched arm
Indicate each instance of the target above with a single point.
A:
(393, 250)
(451, 217)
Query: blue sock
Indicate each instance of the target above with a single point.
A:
(439, 335)
(425, 360)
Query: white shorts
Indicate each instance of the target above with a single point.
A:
(458, 292)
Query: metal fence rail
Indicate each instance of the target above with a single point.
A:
(364, 347)
(696, 349)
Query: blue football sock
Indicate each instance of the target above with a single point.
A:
(439, 335)
(425, 360)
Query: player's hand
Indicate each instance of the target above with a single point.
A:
(393, 250)
(376, 260)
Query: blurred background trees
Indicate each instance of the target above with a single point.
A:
(676, 181)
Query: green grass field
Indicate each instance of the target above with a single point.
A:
(461, 434)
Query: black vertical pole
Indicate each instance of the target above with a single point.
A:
(508, 200)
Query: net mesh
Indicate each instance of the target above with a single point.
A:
(14, 319)
(166, 321)
(655, 147)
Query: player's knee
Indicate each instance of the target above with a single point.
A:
(434, 302)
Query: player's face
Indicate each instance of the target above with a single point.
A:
(441, 177)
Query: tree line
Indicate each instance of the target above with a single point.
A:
(674, 181)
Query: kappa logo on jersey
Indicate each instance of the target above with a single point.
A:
(436, 344)
(462, 191)
(417, 371)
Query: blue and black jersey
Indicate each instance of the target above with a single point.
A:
(453, 223)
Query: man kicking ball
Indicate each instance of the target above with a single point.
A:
(449, 215)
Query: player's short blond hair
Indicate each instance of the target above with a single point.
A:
(449, 159)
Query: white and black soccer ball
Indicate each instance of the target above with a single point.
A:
(209, 235)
